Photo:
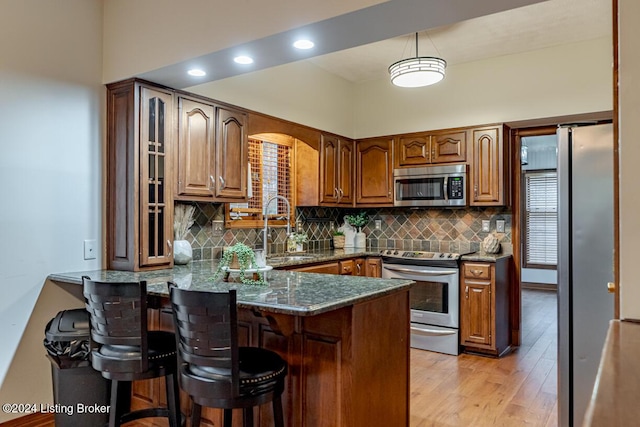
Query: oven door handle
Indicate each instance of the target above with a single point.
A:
(423, 272)
(431, 332)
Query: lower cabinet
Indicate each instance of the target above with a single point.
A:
(484, 307)
(369, 267)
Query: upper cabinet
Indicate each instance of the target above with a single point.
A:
(336, 171)
(232, 145)
(437, 147)
(490, 166)
(196, 149)
(374, 172)
(212, 152)
(139, 174)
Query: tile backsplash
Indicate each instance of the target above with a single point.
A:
(443, 230)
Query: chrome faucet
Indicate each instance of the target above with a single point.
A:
(266, 226)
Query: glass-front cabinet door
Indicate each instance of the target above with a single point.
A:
(156, 213)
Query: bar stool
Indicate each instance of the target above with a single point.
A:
(123, 350)
(214, 370)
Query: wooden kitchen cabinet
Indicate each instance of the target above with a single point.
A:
(139, 174)
(489, 169)
(447, 146)
(374, 172)
(232, 151)
(212, 152)
(196, 149)
(373, 267)
(336, 171)
(484, 307)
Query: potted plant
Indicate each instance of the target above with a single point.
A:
(242, 258)
(338, 239)
(296, 239)
(182, 222)
(359, 220)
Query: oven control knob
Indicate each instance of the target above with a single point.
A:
(389, 252)
(450, 255)
(441, 255)
(395, 253)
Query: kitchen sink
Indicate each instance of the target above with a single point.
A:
(288, 258)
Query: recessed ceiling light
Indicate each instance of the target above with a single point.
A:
(196, 72)
(243, 59)
(303, 44)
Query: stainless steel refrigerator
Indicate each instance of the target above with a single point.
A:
(585, 262)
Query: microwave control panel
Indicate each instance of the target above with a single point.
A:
(456, 187)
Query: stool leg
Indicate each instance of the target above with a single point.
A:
(196, 413)
(120, 401)
(228, 417)
(247, 417)
(278, 419)
(173, 400)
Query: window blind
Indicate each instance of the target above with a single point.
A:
(541, 211)
(270, 176)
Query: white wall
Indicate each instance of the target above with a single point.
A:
(567, 79)
(51, 128)
(300, 92)
(536, 275)
(629, 154)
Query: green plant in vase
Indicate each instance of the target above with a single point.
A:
(338, 239)
(358, 220)
(242, 258)
(295, 241)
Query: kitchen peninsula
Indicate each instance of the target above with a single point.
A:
(346, 338)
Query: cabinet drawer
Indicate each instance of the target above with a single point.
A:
(346, 267)
(477, 271)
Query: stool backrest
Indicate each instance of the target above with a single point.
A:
(118, 313)
(207, 331)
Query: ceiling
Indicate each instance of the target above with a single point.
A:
(360, 45)
(532, 27)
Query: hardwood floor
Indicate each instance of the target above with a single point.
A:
(519, 389)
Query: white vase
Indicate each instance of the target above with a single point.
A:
(360, 240)
(182, 252)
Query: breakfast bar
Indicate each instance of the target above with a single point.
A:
(346, 339)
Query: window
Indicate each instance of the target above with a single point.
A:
(271, 166)
(541, 219)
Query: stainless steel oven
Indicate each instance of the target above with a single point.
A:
(444, 186)
(434, 298)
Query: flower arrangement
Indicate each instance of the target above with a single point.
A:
(182, 221)
(242, 257)
(358, 220)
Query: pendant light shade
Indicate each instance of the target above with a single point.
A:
(418, 71)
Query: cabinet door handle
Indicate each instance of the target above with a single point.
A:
(359, 268)
(476, 272)
(222, 182)
(170, 247)
(340, 194)
(475, 190)
(335, 193)
(466, 291)
(213, 183)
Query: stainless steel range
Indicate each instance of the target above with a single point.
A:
(434, 298)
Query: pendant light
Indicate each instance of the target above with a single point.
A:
(417, 72)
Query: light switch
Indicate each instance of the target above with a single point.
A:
(500, 226)
(89, 249)
(217, 228)
(378, 224)
(486, 225)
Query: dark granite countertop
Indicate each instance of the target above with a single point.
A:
(485, 257)
(287, 292)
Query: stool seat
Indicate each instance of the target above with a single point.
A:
(123, 350)
(214, 370)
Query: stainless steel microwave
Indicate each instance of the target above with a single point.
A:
(442, 186)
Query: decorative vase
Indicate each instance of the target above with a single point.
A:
(338, 242)
(235, 262)
(491, 244)
(182, 252)
(360, 240)
(299, 247)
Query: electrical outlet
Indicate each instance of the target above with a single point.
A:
(90, 249)
(500, 226)
(217, 227)
(486, 225)
(378, 224)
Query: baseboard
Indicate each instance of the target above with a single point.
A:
(32, 420)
